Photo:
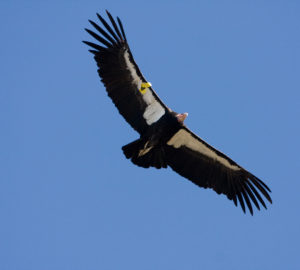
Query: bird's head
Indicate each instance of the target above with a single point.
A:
(181, 117)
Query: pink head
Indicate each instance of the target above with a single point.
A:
(181, 117)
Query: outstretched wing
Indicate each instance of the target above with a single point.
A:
(205, 166)
(125, 84)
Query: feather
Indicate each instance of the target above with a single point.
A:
(102, 40)
(108, 28)
(107, 36)
(95, 46)
(114, 24)
(122, 29)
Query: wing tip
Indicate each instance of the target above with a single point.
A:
(254, 188)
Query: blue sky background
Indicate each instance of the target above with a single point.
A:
(68, 197)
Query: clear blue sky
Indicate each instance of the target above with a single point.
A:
(68, 197)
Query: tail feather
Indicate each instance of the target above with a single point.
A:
(131, 148)
(144, 155)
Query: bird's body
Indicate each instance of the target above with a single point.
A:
(150, 149)
(164, 139)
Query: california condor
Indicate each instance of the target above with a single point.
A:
(164, 139)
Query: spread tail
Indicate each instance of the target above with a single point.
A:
(144, 155)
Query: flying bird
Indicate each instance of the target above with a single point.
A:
(164, 140)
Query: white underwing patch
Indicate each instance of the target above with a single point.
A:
(154, 110)
(184, 138)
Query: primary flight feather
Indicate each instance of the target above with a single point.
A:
(164, 139)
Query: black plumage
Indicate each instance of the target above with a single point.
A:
(164, 139)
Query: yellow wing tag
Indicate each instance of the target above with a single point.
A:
(144, 87)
